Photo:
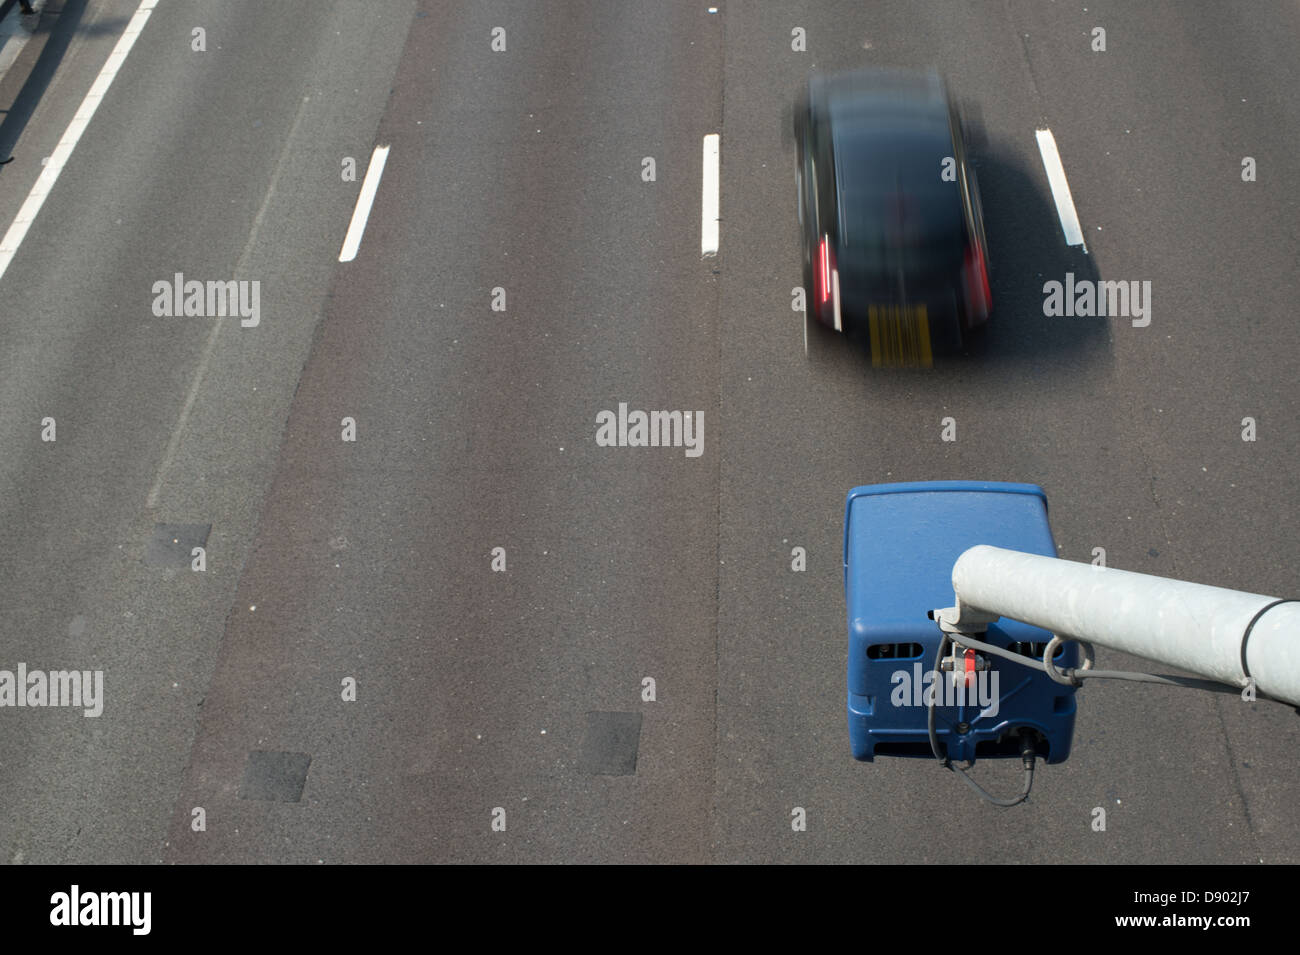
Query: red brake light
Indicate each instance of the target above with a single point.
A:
(824, 270)
(977, 278)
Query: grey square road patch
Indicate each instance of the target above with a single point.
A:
(610, 745)
(171, 544)
(275, 776)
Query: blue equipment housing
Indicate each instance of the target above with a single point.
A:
(900, 544)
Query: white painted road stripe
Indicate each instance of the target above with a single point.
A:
(63, 151)
(364, 201)
(13, 37)
(709, 209)
(1060, 188)
(835, 291)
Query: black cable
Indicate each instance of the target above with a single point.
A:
(1070, 676)
(1026, 746)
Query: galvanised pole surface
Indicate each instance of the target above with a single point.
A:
(1225, 635)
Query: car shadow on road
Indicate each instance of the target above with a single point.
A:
(1026, 250)
(59, 24)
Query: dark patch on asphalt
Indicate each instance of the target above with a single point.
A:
(171, 544)
(610, 745)
(275, 776)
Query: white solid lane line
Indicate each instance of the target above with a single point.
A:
(709, 208)
(835, 292)
(1060, 188)
(13, 37)
(364, 201)
(63, 151)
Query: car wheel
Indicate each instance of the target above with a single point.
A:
(808, 278)
(819, 339)
(973, 336)
(798, 184)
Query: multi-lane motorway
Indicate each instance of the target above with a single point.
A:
(521, 272)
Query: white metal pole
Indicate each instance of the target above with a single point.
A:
(1209, 631)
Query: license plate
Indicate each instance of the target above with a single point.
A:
(900, 336)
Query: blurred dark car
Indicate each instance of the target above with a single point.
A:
(889, 209)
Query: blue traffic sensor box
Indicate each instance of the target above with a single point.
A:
(900, 544)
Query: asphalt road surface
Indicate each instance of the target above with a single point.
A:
(437, 621)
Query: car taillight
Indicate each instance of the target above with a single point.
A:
(823, 270)
(977, 280)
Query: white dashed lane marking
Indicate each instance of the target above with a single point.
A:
(1060, 188)
(361, 214)
(712, 188)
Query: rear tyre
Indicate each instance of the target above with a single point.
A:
(807, 281)
(819, 339)
(973, 337)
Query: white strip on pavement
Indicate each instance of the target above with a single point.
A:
(712, 185)
(1060, 188)
(835, 291)
(14, 34)
(361, 213)
(63, 151)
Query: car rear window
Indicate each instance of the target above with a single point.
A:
(891, 196)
